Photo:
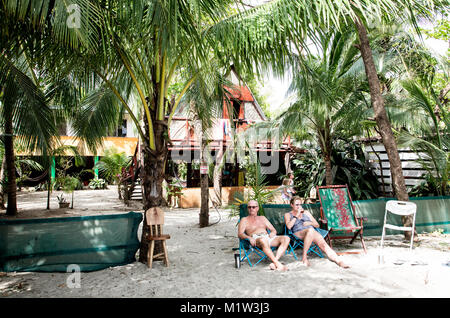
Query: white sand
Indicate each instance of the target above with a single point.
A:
(202, 264)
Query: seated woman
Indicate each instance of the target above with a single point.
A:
(302, 224)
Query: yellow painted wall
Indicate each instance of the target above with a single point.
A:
(122, 144)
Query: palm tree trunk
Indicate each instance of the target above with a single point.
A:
(204, 186)
(11, 209)
(326, 146)
(328, 170)
(218, 177)
(2, 175)
(377, 100)
(152, 176)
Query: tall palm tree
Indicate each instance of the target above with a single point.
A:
(24, 112)
(128, 54)
(205, 99)
(329, 95)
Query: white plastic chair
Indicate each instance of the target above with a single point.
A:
(403, 208)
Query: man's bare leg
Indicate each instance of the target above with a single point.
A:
(283, 243)
(268, 251)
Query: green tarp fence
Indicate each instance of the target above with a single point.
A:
(432, 214)
(52, 244)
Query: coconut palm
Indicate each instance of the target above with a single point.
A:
(305, 16)
(128, 54)
(416, 84)
(329, 95)
(24, 112)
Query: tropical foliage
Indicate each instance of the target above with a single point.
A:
(329, 96)
(416, 81)
(110, 166)
(350, 166)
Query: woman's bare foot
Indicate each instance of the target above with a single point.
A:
(342, 264)
(306, 262)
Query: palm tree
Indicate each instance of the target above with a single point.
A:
(24, 112)
(412, 78)
(135, 51)
(205, 99)
(330, 92)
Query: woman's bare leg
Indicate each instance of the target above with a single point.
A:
(307, 236)
(312, 236)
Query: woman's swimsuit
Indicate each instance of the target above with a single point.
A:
(298, 225)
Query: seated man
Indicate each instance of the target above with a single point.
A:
(254, 228)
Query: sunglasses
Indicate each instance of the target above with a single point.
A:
(252, 207)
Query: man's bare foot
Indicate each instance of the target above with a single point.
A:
(306, 262)
(278, 267)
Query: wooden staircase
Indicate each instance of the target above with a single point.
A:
(131, 180)
(137, 191)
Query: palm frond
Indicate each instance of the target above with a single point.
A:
(99, 115)
(32, 118)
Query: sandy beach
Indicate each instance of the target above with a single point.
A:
(202, 263)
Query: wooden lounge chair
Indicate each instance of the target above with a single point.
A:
(337, 213)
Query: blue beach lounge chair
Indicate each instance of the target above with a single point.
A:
(298, 242)
(247, 252)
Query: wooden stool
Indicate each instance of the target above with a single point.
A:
(155, 221)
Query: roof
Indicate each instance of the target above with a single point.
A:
(240, 92)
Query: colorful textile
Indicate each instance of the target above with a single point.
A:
(337, 208)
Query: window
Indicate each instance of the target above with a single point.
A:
(122, 130)
(236, 109)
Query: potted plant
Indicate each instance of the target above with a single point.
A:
(97, 183)
(63, 203)
(67, 184)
